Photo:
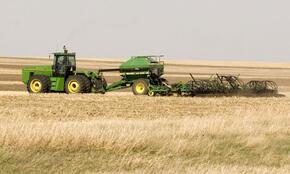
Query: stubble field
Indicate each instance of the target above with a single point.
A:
(122, 133)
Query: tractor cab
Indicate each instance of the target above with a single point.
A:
(64, 63)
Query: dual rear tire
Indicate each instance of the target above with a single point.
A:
(77, 84)
(38, 84)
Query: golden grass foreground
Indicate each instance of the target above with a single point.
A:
(128, 134)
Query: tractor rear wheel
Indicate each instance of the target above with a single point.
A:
(140, 87)
(38, 84)
(87, 83)
(75, 84)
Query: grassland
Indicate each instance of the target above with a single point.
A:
(122, 133)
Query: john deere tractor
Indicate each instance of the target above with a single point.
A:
(62, 76)
(141, 73)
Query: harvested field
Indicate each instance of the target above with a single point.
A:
(121, 133)
(116, 133)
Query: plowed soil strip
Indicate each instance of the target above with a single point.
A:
(12, 88)
(10, 77)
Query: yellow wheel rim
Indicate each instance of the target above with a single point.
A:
(140, 88)
(35, 86)
(151, 93)
(73, 86)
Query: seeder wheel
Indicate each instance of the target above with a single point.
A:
(140, 87)
(151, 93)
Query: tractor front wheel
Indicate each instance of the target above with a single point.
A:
(38, 84)
(140, 87)
(75, 84)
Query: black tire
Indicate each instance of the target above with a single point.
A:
(87, 83)
(140, 87)
(100, 84)
(43, 83)
(75, 84)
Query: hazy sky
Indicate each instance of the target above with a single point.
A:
(189, 29)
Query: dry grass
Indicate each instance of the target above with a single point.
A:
(128, 134)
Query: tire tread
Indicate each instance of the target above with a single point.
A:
(45, 82)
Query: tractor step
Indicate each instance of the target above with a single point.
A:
(57, 83)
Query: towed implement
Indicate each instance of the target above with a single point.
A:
(143, 74)
(225, 85)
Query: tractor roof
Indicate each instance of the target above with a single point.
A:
(150, 56)
(64, 54)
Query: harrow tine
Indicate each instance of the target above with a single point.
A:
(192, 77)
(229, 84)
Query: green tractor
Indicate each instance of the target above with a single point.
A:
(141, 73)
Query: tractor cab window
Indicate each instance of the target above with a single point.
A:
(72, 60)
(65, 61)
(60, 60)
(64, 64)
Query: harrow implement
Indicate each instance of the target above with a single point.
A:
(260, 87)
(216, 84)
